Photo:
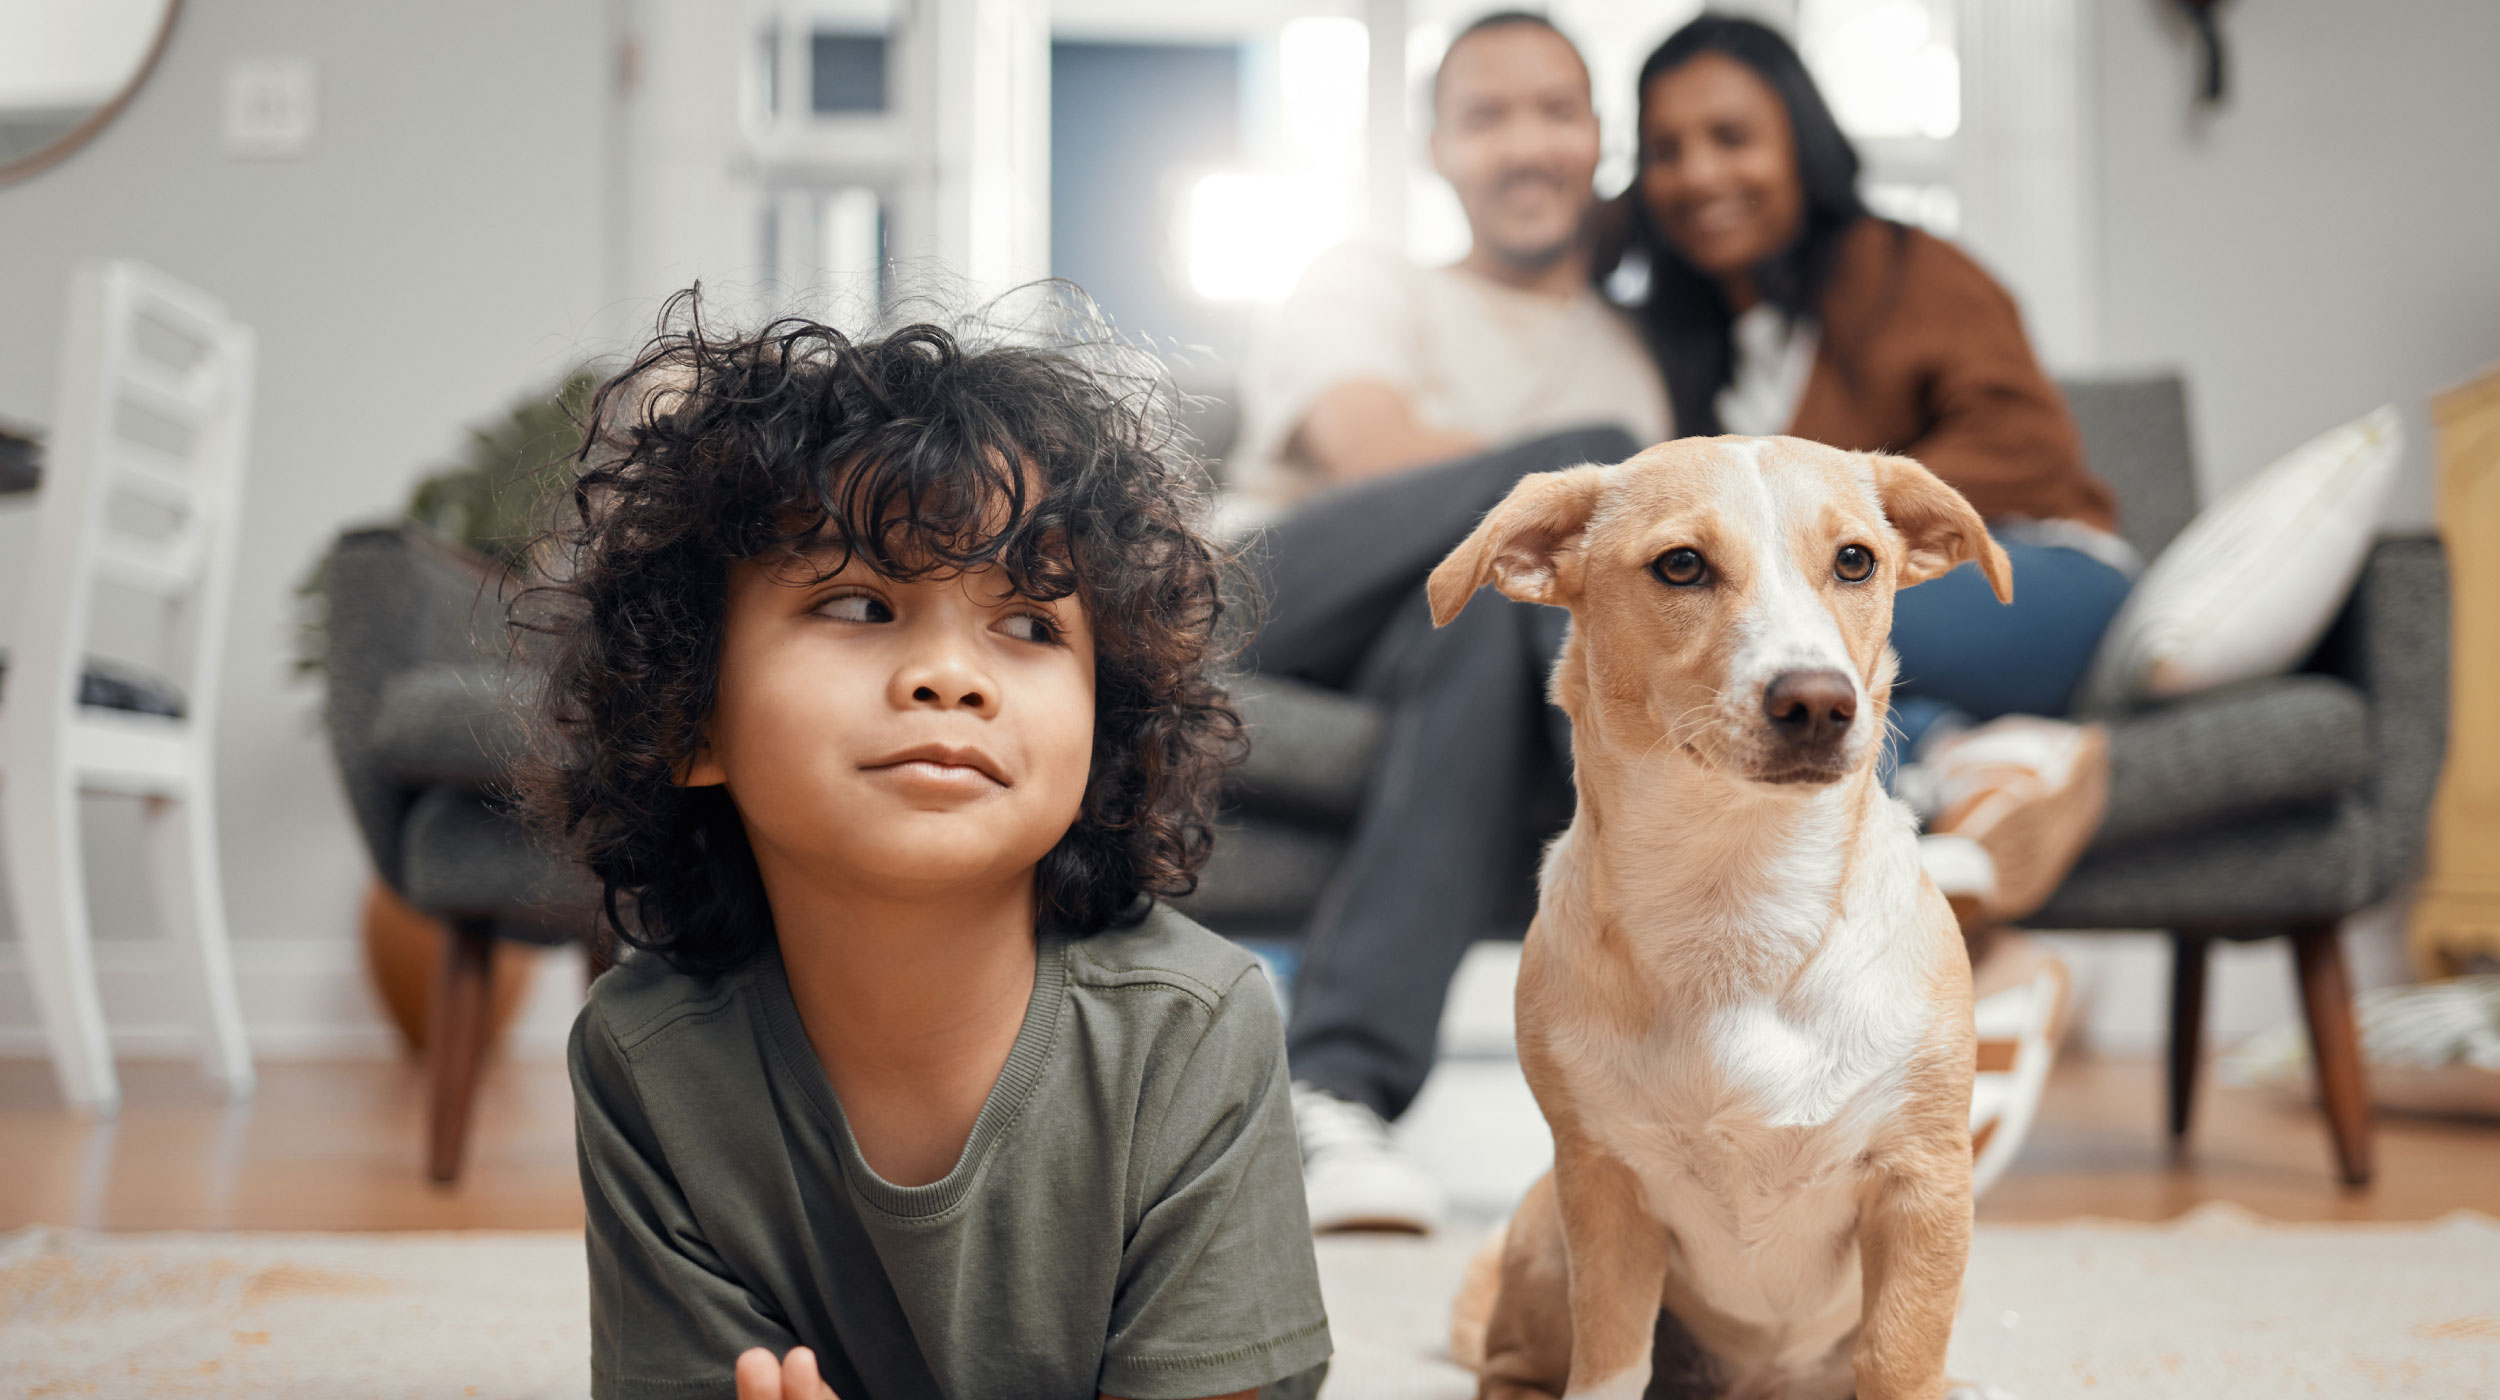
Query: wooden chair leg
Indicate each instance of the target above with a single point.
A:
(456, 1043)
(2189, 953)
(2335, 1046)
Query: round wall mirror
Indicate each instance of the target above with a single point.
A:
(67, 67)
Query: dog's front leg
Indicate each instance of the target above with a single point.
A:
(1914, 1226)
(1618, 1261)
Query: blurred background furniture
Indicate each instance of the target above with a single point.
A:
(140, 497)
(422, 680)
(2456, 920)
(21, 462)
(2274, 808)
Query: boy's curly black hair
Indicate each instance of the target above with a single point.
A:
(921, 454)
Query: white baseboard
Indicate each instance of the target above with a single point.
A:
(303, 999)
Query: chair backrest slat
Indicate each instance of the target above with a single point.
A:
(167, 572)
(190, 403)
(156, 475)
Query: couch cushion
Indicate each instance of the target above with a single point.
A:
(2253, 582)
(462, 856)
(443, 723)
(2243, 750)
(2135, 437)
(1311, 750)
(2255, 875)
(115, 685)
(1264, 876)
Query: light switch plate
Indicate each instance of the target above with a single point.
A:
(273, 108)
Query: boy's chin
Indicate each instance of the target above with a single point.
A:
(944, 856)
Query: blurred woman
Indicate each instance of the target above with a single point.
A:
(1778, 303)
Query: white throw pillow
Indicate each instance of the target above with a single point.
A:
(2251, 584)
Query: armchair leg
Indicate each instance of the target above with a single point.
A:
(456, 1043)
(2188, 952)
(2335, 1047)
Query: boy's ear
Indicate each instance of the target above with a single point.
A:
(1518, 544)
(1939, 528)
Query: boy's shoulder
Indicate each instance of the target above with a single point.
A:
(644, 996)
(1166, 948)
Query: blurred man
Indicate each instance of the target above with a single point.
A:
(1375, 365)
(1372, 370)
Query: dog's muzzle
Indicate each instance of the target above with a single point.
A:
(1809, 714)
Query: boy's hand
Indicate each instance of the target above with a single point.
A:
(793, 1377)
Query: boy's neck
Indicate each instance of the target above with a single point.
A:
(911, 1003)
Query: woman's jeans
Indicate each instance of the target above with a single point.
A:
(1966, 656)
(1448, 831)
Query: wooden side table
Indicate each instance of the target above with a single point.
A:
(2457, 917)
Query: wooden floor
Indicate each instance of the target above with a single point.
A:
(335, 1146)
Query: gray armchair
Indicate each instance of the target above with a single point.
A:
(424, 732)
(2275, 808)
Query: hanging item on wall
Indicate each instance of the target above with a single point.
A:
(2209, 38)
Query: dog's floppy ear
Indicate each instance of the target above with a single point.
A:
(1939, 526)
(1514, 547)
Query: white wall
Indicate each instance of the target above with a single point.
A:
(2327, 241)
(440, 250)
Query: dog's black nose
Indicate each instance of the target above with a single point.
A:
(1810, 709)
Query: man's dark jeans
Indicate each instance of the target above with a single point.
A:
(1449, 828)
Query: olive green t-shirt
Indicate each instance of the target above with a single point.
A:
(1127, 1216)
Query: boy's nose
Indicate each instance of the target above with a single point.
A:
(945, 679)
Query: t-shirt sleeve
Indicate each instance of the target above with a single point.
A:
(1351, 317)
(1219, 1289)
(667, 1319)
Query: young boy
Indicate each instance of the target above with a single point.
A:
(883, 712)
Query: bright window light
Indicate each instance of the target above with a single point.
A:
(1248, 237)
(1322, 63)
(1884, 66)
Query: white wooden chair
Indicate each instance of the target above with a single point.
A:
(141, 486)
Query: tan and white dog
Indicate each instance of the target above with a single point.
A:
(1744, 1009)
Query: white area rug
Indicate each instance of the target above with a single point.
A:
(2215, 1307)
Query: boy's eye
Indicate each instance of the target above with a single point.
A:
(857, 607)
(1031, 627)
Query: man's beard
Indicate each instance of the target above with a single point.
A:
(1534, 257)
(1538, 258)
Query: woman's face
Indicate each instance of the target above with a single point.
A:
(1719, 167)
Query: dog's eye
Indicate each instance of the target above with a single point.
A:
(1680, 568)
(1854, 563)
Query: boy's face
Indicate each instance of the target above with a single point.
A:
(898, 739)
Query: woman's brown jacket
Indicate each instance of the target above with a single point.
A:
(1923, 354)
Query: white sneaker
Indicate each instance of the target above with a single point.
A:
(1354, 1176)
(1964, 873)
(2019, 1026)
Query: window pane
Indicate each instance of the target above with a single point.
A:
(848, 72)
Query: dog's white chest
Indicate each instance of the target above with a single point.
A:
(1747, 1124)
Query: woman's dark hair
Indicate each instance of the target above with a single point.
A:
(922, 453)
(1687, 318)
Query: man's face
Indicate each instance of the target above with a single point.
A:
(1514, 134)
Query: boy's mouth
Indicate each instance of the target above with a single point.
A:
(942, 762)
